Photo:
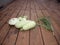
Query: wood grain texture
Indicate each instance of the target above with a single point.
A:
(33, 9)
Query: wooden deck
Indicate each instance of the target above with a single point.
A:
(9, 35)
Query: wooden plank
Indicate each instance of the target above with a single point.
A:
(28, 5)
(23, 38)
(39, 2)
(4, 13)
(56, 31)
(6, 10)
(36, 5)
(4, 31)
(32, 5)
(48, 36)
(35, 34)
(57, 12)
(2, 22)
(25, 5)
(13, 32)
(55, 16)
(56, 27)
(11, 37)
(3, 28)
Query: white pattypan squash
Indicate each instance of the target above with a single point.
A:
(13, 21)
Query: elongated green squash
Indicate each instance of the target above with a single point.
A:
(20, 24)
(29, 25)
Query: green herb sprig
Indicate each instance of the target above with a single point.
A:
(46, 23)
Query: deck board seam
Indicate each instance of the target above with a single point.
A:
(40, 27)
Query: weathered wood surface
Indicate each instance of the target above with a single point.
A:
(34, 9)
